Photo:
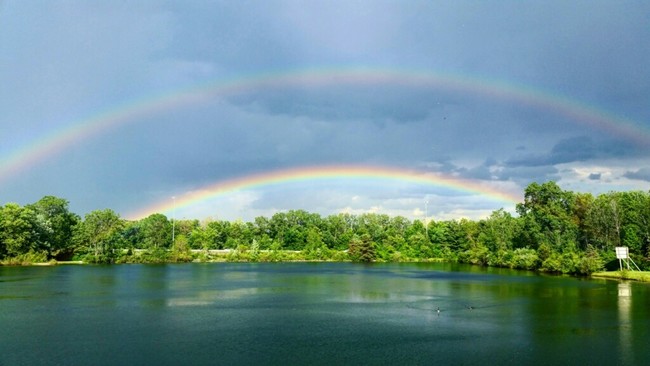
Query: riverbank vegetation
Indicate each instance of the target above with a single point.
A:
(643, 276)
(554, 231)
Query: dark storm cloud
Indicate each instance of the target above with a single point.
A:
(640, 174)
(576, 149)
(595, 176)
(524, 175)
(377, 103)
(481, 172)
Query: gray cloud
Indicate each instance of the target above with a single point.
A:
(640, 174)
(379, 103)
(576, 149)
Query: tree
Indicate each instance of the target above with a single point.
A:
(239, 233)
(339, 231)
(155, 232)
(636, 220)
(56, 224)
(498, 231)
(18, 232)
(361, 248)
(603, 222)
(3, 246)
(547, 214)
(99, 233)
(315, 247)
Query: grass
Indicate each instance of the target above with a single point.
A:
(642, 276)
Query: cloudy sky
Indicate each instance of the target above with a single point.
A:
(126, 104)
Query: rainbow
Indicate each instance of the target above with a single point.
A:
(134, 111)
(321, 173)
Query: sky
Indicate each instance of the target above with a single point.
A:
(238, 109)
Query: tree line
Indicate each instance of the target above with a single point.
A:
(555, 230)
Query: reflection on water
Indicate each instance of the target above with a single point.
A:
(210, 297)
(316, 313)
(625, 326)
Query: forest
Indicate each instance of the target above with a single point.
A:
(554, 230)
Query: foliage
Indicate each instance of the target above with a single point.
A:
(55, 226)
(18, 229)
(26, 259)
(155, 232)
(362, 249)
(99, 235)
(524, 258)
(555, 231)
(624, 275)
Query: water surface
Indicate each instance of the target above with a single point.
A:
(316, 313)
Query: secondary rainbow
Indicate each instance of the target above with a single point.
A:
(134, 110)
(321, 173)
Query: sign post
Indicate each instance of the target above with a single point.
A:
(623, 255)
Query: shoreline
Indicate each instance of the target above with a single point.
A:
(640, 276)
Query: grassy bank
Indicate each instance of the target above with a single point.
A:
(642, 276)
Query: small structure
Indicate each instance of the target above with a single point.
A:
(623, 255)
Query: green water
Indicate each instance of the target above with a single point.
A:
(316, 313)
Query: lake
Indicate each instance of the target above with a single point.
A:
(317, 313)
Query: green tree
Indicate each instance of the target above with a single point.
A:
(99, 233)
(636, 220)
(3, 246)
(339, 231)
(239, 233)
(315, 248)
(155, 232)
(547, 214)
(18, 229)
(56, 224)
(362, 248)
(603, 222)
(498, 231)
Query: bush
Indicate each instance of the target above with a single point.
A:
(525, 258)
(362, 249)
(476, 255)
(570, 262)
(502, 258)
(590, 262)
(26, 259)
(552, 263)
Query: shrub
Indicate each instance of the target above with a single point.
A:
(25, 259)
(590, 262)
(502, 258)
(525, 258)
(476, 255)
(552, 263)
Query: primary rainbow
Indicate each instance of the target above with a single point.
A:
(133, 111)
(326, 172)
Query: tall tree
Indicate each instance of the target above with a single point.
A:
(547, 214)
(18, 229)
(56, 224)
(362, 248)
(156, 231)
(99, 233)
(498, 231)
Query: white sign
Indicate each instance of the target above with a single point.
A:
(622, 253)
